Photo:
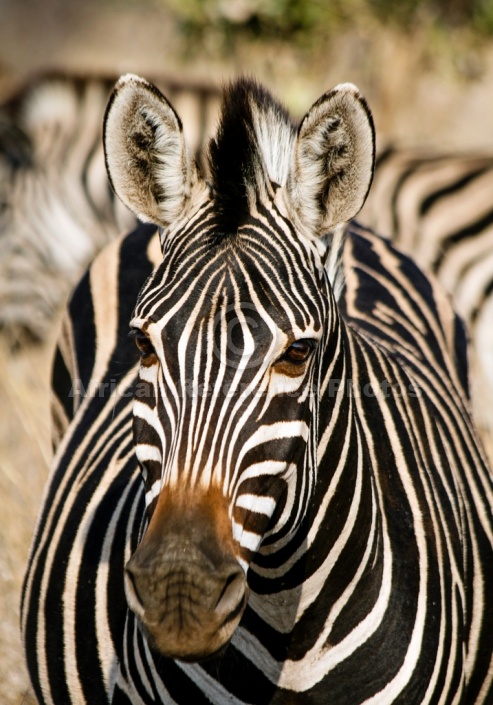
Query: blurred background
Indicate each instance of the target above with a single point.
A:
(425, 66)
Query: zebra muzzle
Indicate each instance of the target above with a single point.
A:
(186, 587)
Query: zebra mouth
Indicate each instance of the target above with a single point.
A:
(191, 642)
(198, 657)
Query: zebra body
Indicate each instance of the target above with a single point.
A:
(288, 484)
(57, 207)
(439, 210)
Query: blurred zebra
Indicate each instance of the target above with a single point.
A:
(439, 209)
(285, 500)
(57, 209)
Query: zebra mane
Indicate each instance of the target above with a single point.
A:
(253, 146)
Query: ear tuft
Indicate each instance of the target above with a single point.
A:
(333, 160)
(146, 157)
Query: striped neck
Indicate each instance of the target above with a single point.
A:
(340, 532)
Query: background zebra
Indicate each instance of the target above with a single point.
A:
(439, 209)
(57, 209)
(319, 498)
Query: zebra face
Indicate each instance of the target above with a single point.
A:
(228, 357)
(232, 328)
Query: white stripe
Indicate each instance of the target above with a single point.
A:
(146, 452)
(246, 539)
(257, 504)
(153, 492)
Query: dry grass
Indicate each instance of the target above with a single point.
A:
(24, 459)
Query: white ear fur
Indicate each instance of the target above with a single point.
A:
(146, 157)
(333, 160)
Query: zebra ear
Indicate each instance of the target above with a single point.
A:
(333, 160)
(146, 156)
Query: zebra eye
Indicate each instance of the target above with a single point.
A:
(143, 344)
(299, 351)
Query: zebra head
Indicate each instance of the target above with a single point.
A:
(233, 328)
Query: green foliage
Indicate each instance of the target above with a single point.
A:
(285, 19)
(482, 16)
(310, 22)
(447, 14)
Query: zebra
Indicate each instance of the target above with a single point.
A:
(57, 209)
(272, 490)
(439, 209)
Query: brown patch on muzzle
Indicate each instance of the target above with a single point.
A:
(184, 582)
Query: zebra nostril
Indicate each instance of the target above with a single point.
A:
(232, 596)
(132, 594)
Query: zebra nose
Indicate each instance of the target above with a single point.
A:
(151, 586)
(232, 593)
(189, 608)
(132, 594)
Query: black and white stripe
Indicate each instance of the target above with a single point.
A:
(299, 417)
(439, 210)
(57, 209)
